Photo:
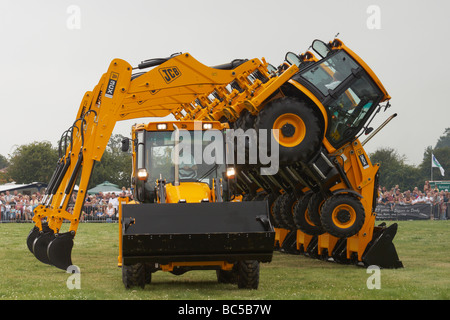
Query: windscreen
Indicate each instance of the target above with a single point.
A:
(351, 109)
(330, 72)
(200, 156)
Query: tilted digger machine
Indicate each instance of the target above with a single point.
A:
(321, 198)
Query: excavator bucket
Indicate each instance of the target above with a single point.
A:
(40, 246)
(59, 250)
(32, 235)
(381, 251)
(50, 248)
(216, 231)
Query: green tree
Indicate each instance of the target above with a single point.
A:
(442, 154)
(115, 165)
(3, 162)
(394, 170)
(444, 141)
(34, 162)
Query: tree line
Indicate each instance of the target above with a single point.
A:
(35, 162)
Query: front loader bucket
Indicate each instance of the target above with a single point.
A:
(216, 231)
(381, 251)
(59, 250)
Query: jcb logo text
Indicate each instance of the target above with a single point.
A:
(169, 74)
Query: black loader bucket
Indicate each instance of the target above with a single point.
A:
(381, 251)
(216, 231)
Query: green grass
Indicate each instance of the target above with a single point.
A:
(423, 247)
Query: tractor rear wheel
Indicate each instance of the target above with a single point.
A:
(342, 215)
(299, 130)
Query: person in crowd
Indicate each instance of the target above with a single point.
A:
(427, 187)
(419, 199)
(114, 201)
(27, 210)
(110, 212)
(408, 199)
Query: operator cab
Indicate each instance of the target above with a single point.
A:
(198, 161)
(345, 86)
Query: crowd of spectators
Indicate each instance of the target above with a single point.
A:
(438, 199)
(104, 206)
(18, 207)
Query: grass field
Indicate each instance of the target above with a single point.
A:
(423, 247)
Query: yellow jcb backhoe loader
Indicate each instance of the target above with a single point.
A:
(185, 217)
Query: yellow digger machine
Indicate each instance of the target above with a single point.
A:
(322, 196)
(185, 217)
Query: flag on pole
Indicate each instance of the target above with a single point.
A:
(436, 164)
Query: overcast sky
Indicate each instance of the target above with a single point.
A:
(52, 52)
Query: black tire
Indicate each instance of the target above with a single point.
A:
(134, 275)
(314, 208)
(248, 274)
(227, 276)
(342, 215)
(260, 196)
(270, 198)
(301, 217)
(276, 211)
(248, 197)
(287, 211)
(148, 274)
(300, 131)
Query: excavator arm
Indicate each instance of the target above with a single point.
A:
(178, 83)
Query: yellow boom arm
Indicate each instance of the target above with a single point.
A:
(181, 86)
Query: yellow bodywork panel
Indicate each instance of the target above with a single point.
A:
(188, 191)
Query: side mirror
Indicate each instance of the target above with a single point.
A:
(271, 68)
(125, 145)
(321, 48)
(292, 59)
(368, 130)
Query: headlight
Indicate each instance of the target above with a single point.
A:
(161, 126)
(142, 174)
(231, 172)
(207, 126)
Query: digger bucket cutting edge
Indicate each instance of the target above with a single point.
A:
(381, 251)
(217, 231)
(59, 250)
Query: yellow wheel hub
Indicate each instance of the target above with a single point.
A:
(292, 130)
(344, 216)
